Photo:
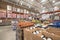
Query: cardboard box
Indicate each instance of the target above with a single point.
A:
(28, 35)
(54, 37)
(54, 34)
(54, 30)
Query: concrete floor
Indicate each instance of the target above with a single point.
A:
(6, 33)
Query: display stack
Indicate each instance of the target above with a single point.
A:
(20, 29)
(34, 32)
(41, 34)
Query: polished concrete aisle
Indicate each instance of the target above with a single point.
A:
(6, 33)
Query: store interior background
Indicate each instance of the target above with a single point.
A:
(14, 11)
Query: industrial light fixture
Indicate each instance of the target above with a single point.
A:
(27, 11)
(53, 1)
(21, 2)
(43, 1)
(44, 11)
(32, 0)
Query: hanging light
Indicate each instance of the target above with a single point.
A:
(32, 0)
(21, 2)
(53, 1)
(43, 1)
(43, 11)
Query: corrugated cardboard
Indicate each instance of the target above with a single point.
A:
(28, 35)
(54, 37)
(54, 30)
(51, 33)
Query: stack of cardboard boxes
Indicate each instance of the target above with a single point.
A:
(30, 35)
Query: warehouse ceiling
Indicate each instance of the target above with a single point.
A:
(40, 5)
